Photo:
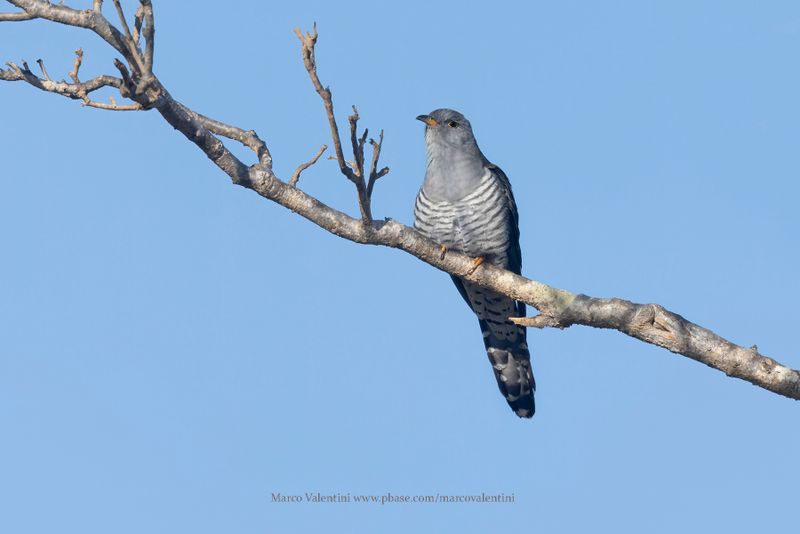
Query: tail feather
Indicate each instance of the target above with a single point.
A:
(505, 343)
(511, 363)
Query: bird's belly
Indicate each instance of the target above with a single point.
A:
(462, 232)
(461, 227)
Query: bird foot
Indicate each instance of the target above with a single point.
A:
(476, 263)
(443, 249)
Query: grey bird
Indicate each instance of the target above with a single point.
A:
(466, 205)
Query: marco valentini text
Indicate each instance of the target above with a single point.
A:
(318, 497)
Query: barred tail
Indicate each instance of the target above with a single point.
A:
(505, 343)
(511, 363)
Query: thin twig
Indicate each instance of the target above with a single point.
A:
(308, 41)
(127, 86)
(353, 171)
(138, 64)
(127, 32)
(357, 146)
(113, 106)
(303, 166)
(77, 91)
(121, 14)
(44, 70)
(374, 173)
(76, 66)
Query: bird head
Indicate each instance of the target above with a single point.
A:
(448, 128)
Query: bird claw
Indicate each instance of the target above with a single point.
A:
(443, 249)
(476, 263)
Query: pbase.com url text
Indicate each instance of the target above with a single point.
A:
(391, 498)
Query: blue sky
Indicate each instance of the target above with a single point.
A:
(174, 349)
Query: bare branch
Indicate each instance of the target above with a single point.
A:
(374, 173)
(355, 170)
(357, 144)
(149, 34)
(112, 105)
(139, 64)
(303, 166)
(125, 29)
(76, 66)
(97, 6)
(44, 70)
(307, 42)
(137, 24)
(15, 17)
(656, 325)
(558, 308)
(127, 86)
(187, 122)
(248, 138)
(537, 321)
(357, 176)
(77, 91)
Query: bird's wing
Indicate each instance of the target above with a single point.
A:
(514, 251)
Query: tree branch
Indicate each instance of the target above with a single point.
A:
(125, 29)
(309, 60)
(558, 308)
(374, 173)
(12, 17)
(149, 33)
(352, 171)
(654, 324)
(77, 91)
(303, 166)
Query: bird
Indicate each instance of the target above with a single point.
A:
(465, 204)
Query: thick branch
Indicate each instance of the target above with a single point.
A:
(192, 127)
(656, 325)
(559, 308)
(248, 138)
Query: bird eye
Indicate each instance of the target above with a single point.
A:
(452, 124)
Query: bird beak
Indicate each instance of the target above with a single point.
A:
(427, 119)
